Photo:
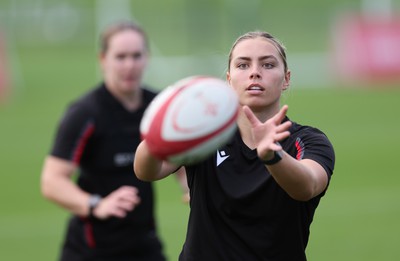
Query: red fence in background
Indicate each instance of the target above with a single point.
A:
(367, 49)
(4, 73)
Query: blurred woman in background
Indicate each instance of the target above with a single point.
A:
(112, 211)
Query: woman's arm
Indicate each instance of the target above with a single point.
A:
(58, 187)
(149, 168)
(301, 179)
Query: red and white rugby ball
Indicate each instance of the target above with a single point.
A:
(190, 120)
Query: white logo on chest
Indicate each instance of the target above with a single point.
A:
(123, 159)
(221, 156)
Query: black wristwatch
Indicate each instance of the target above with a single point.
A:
(94, 201)
(277, 157)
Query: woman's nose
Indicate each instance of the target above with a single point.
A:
(255, 74)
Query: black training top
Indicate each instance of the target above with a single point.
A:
(99, 135)
(239, 212)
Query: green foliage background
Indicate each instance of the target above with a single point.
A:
(358, 219)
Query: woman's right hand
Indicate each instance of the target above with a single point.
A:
(118, 203)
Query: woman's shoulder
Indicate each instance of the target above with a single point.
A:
(91, 97)
(306, 134)
(301, 129)
(310, 142)
(86, 105)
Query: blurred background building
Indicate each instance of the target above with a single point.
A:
(327, 41)
(366, 44)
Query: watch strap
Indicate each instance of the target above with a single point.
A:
(94, 201)
(277, 157)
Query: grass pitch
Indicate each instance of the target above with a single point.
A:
(356, 220)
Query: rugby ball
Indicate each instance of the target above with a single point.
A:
(189, 120)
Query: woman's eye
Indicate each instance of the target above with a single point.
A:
(137, 55)
(120, 56)
(242, 66)
(268, 65)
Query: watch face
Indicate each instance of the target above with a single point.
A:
(94, 200)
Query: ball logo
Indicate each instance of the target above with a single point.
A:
(207, 109)
(210, 107)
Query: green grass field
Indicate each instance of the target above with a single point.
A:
(357, 220)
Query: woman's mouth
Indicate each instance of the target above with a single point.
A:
(255, 87)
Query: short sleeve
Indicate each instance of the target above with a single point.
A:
(74, 131)
(315, 145)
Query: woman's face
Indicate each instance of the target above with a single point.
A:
(257, 74)
(124, 62)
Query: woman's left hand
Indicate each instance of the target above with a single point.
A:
(268, 134)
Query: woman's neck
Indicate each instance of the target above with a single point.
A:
(131, 101)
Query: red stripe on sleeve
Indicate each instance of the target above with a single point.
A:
(82, 141)
(300, 149)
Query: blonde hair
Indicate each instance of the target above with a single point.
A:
(255, 34)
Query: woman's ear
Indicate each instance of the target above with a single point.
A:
(228, 77)
(101, 57)
(286, 82)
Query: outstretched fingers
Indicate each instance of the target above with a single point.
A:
(285, 126)
(282, 128)
(254, 121)
(278, 118)
(282, 135)
(268, 134)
